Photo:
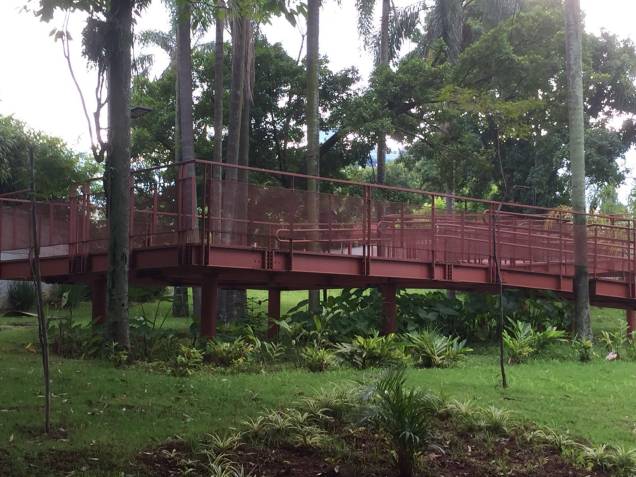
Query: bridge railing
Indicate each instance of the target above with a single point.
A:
(206, 204)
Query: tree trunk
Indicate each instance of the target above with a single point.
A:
(219, 91)
(383, 61)
(231, 301)
(573, 53)
(313, 130)
(118, 167)
(227, 298)
(234, 127)
(184, 144)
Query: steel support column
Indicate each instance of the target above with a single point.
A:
(389, 309)
(273, 312)
(631, 321)
(98, 300)
(209, 306)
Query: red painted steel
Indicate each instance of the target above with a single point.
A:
(184, 222)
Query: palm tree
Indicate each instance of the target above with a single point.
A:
(380, 42)
(313, 126)
(184, 136)
(573, 55)
(119, 62)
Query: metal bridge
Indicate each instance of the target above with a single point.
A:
(260, 228)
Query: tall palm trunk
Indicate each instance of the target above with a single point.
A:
(232, 301)
(118, 167)
(219, 91)
(313, 127)
(383, 62)
(573, 54)
(184, 142)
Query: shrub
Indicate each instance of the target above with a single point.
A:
(229, 353)
(522, 341)
(620, 342)
(373, 352)
(431, 350)
(69, 296)
(290, 426)
(188, 360)
(21, 296)
(404, 417)
(72, 340)
(317, 359)
(145, 294)
(584, 350)
(270, 352)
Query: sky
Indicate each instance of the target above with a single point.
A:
(36, 88)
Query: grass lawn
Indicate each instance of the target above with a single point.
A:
(111, 414)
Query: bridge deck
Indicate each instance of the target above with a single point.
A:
(187, 230)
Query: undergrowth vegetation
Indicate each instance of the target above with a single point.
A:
(384, 428)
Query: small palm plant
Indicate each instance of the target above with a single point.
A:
(432, 350)
(404, 416)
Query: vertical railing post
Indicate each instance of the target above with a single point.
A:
(561, 258)
(50, 224)
(131, 229)
(86, 219)
(403, 252)
(629, 256)
(1, 227)
(329, 222)
(155, 212)
(462, 245)
(179, 203)
(491, 242)
(205, 220)
(595, 250)
(433, 235)
(72, 223)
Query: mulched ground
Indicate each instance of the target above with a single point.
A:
(458, 455)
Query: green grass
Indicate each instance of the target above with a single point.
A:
(111, 414)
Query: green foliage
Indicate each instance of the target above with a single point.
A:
(353, 312)
(372, 352)
(227, 354)
(522, 341)
(432, 350)
(21, 296)
(145, 295)
(55, 164)
(69, 296)
(404, 416)
(150, 340)
(291, 426)
(188, 360)
(73, 340)
(317, 359)
(584, 349)
(618, 461)
(619, 342)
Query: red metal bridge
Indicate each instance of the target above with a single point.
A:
(263, 229)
